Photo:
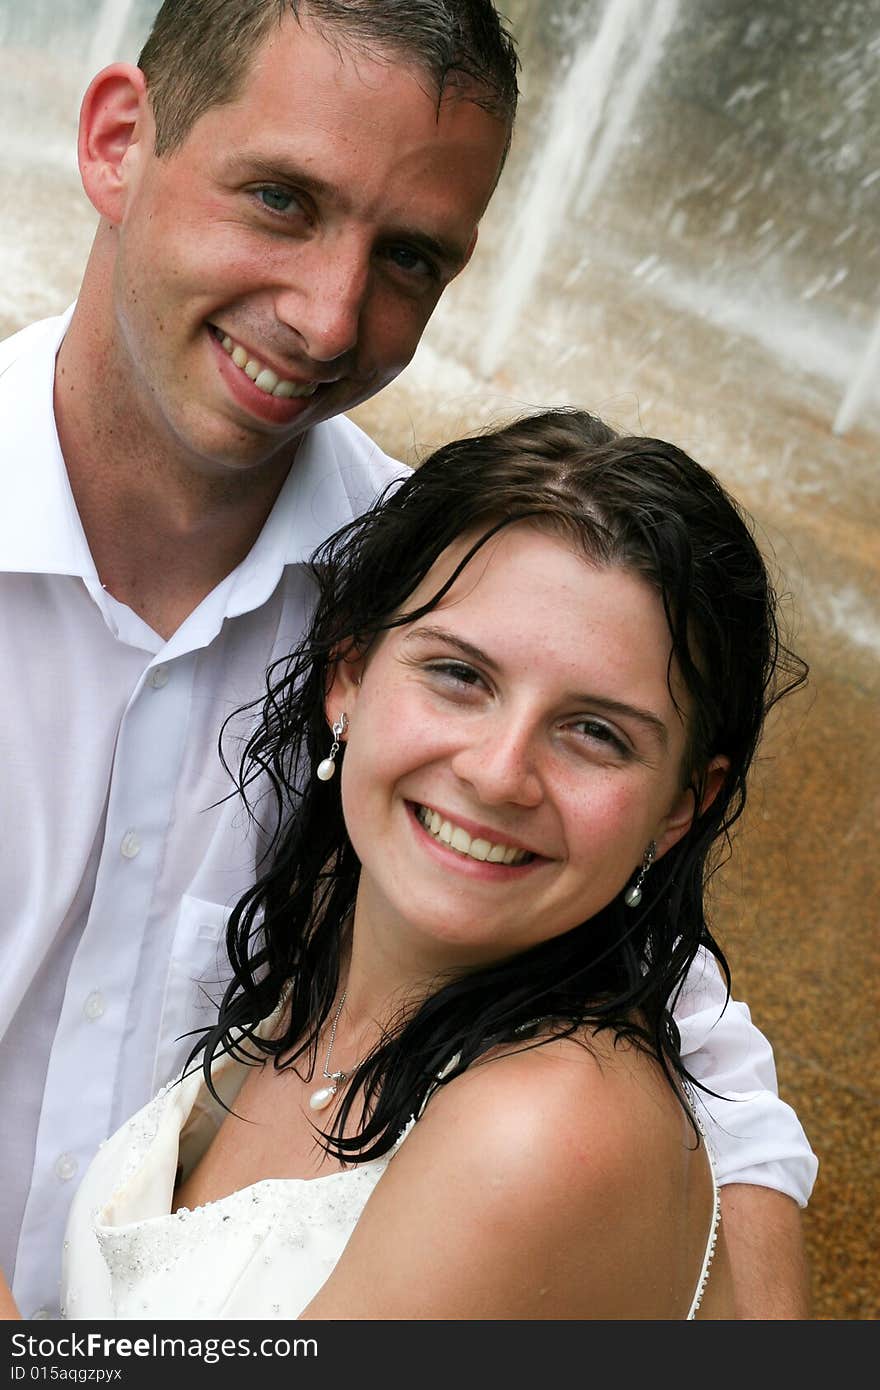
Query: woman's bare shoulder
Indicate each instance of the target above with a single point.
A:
(543, 1182)
(565, 1104)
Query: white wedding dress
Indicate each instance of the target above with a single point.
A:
(262, 1252)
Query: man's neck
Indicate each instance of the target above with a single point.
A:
(161, 534)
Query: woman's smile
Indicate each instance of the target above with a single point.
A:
(480, 848)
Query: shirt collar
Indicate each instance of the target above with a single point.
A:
(312, 504)
(40, 528)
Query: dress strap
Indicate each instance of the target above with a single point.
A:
(716, 1209)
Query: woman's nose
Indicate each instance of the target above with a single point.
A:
(498, 761)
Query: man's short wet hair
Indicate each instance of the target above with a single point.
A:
(199, 52)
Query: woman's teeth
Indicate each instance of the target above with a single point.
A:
(458, 839)
(264, 377)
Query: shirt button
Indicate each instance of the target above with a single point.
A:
(131, 845)
(94, 1005)
(65, 1167)
(158, 677)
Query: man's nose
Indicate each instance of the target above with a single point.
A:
(499, 761)
(325, 300)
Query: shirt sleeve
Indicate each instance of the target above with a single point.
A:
(755, 1137)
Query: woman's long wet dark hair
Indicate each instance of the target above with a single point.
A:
(638, 504)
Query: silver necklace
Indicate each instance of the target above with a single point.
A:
(320, 1099)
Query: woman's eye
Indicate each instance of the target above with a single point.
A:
(594, 731)
(455, 673)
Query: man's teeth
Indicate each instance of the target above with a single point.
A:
(459, 839)
(264, 377)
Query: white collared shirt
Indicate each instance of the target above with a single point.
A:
(117, 865)
(119, 861)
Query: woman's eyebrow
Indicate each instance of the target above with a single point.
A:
(440, 634)
(654, 725)
(652, 722)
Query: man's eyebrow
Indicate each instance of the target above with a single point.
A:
(281, 170)
(453, 253)
(652, 722)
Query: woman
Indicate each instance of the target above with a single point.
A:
(445, 1081)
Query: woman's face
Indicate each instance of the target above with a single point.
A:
(511, 754)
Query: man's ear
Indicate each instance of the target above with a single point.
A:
(115, 125)
(681, 817)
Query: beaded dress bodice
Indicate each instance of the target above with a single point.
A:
(263, 1251)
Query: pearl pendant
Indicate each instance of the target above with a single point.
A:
(320, 1099)
(633, 896)
(325, 770)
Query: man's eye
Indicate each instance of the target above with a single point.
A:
(278, 199)
(413, 262)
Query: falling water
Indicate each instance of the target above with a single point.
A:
(748, 131)
(864, 385)
(577, 119)
(618, 119)
(111, 23)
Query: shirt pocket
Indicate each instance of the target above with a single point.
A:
(198, 974)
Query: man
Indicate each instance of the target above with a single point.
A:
(282, 198)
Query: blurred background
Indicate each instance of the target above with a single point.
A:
(685, 241)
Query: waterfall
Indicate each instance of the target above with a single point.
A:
(111, 23)
(582, 124)
(864, 385)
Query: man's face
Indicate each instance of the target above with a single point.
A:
(280, 266)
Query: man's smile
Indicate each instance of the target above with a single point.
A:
(263, 377)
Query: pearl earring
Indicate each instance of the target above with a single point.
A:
(633, 895)
(327, 766)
